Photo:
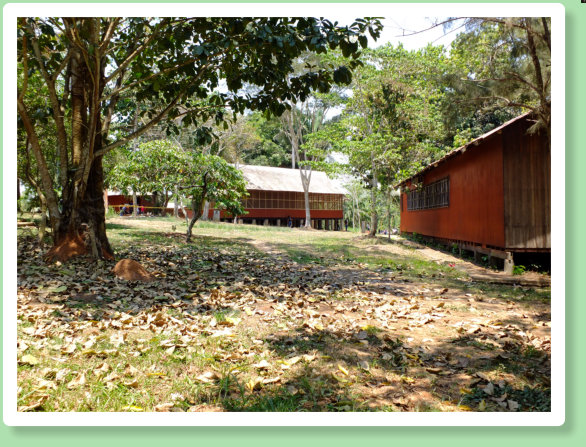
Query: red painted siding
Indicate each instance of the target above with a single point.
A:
(476, 210)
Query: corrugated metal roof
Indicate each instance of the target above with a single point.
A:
(462, 149)
(267, 178)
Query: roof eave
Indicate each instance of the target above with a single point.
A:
(463, 148)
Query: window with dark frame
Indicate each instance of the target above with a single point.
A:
(292, 200)
(434, 195)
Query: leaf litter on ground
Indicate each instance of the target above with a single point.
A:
(210, 311)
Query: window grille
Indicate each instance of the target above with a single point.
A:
(292, 200)
(434, 195)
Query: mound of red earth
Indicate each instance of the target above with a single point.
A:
(131, 271)
(70, 246)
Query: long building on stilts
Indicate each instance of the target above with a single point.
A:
(276, 197)
(491, 197)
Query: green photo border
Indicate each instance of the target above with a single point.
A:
(566, 435)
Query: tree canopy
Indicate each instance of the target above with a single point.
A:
(191, 70)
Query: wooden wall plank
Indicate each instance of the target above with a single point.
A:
(527, 188)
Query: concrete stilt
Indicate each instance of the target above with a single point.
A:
(509, 264)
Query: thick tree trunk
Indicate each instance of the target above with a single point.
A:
(84, 231)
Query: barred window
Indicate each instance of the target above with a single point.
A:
(291, 200)
(434, 195)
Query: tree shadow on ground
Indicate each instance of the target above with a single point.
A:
(216, 275)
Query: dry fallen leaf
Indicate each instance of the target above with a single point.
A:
(489, 389)
(77, 382)
(35, 405)
(254, 384)
(131, 383)
(513, 406)
(263, 364)
(111, 377)
(132, 408)
(29, 360)
(130, 370)
(43, 384)
(343, 370)
(207, 377)
(164, 407)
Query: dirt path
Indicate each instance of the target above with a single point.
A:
(269, 249)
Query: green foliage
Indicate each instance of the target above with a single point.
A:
(503, 67)
(153, 166)
(95, 74)
(209, 177)
(271, 147)
(519, 269)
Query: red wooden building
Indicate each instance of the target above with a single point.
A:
(115, 201)
(490, 196)
(276, 194)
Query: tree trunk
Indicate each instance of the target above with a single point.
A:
(43, 224)
(82, 226)
(176, 203)
(305, 180)
(165, 202)
(373, 213)
(197, 209)
(357, 213)
(184, 211)
(18, 208)
(134, 204)
(206, 211)
(85, 229)
(389, 218)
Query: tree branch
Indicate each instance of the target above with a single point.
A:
(144, 128)
(136, 52)
(58, 113)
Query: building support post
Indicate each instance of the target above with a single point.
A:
(509, 264)
(477, 256)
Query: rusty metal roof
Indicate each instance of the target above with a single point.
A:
(463, 148)
(266, 178)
